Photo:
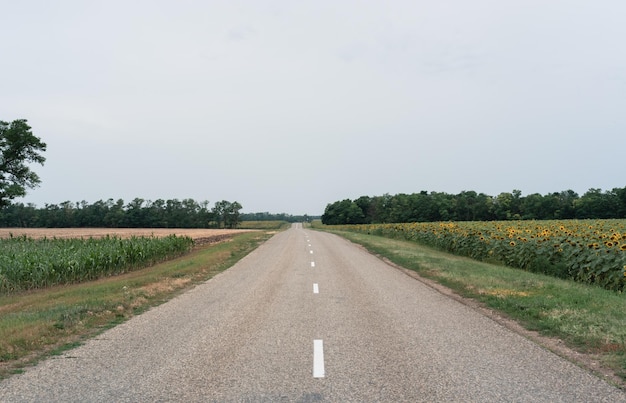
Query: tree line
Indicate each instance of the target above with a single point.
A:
(472, 206)
(139, 213)
(266, 216)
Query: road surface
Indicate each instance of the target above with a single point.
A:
(309, 317)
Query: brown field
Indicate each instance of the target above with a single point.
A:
(195, 233)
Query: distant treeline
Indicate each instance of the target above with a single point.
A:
(265, 216)
(138, 213)
(472, 206)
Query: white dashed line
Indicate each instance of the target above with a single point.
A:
(316, 288)
(312, 264)
(318, 359)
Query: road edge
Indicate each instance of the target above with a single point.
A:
(552, 344)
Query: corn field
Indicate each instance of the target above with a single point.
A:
(27, 263)
(591, 251)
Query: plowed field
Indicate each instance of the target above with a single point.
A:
(195, 233)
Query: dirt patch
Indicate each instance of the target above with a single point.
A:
(195, 233)
(166, 285)
(210, 240)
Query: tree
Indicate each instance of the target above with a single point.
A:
(231, 215)
(443, 206)
(502, 206)
(598, 205)
(135, 213)
(343, 212)
(365, 204)
(18, 146)
(227, 213)
(620, 194)
(466, 205)
(115, 215)
(567, 200)
(218, 212)
(399, 208)
(530, 207)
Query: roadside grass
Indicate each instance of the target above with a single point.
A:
(588, 319)
(36, 324)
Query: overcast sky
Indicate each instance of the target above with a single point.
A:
(286, 106)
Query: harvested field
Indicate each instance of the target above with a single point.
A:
(194, 233)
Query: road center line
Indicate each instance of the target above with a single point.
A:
(318, 359)
(311, 252)
(316, 288)
(312, 264)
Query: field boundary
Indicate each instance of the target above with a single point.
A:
(193, 233)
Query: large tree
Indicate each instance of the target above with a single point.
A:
(232, 215)
(227, 213)
(18, 147)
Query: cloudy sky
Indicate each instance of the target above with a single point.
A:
(286, 106)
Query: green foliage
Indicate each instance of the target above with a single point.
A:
(18, 146)
(139, 213)
(343, 212)
(472, 206)
(226, 214)
(27, 263)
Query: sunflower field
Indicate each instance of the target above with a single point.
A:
(591, 251)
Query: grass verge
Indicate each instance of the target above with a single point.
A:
(39, 323)
(589, 320)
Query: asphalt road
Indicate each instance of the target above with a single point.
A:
(309, 317)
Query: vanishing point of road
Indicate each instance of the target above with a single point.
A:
(309, 317)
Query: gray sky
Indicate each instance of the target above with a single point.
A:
(286, 106)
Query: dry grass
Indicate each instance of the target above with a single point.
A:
(165, 285)
(503, 293)
(194, 233)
